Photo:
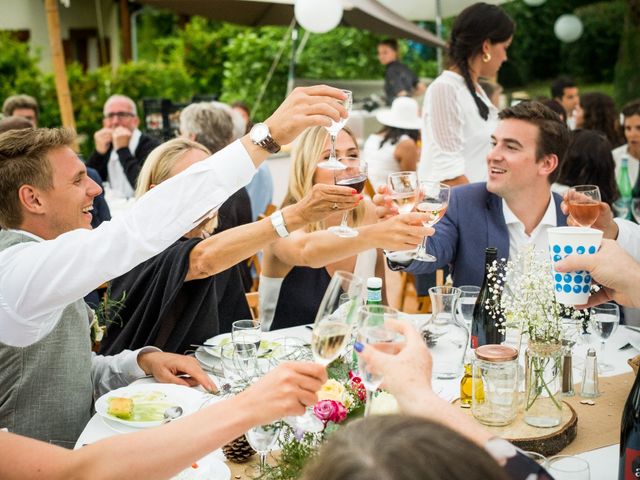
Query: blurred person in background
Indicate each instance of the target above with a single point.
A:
(565, 91)
(556, 107)
(458, 116)
(24, 106)
(395, 147)
(120, 147)
(399, 80)
(588, 162)
(596, 111)
(630, 150)
(493, 90)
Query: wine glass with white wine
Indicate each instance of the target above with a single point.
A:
(433, 198)
(332, 163)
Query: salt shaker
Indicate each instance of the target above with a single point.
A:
(567, 373)
(590, 376)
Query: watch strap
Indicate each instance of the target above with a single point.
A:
(277, 220)
(269, 144)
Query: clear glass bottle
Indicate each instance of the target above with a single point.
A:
(495, 370)
(445, 334)
(467, 386)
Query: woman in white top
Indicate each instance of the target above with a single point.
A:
(296, 270)
(458, 116)
(395, 147)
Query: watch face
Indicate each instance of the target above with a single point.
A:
(259, 132)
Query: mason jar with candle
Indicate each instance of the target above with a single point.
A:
(495, 370)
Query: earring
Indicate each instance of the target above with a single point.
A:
(486, 57)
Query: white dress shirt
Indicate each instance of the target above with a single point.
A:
(629, 237)
(518, 239)
(455, 138)
(118, 180)
(39, 279)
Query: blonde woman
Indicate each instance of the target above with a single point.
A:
(297, 269)
(172, 299)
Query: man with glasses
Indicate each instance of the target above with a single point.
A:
(121, 148)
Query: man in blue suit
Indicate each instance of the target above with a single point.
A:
(514, 208)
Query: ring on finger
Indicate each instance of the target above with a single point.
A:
(334, 206)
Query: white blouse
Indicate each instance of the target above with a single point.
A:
(381, 161)
(455, 138)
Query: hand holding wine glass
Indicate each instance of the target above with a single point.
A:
(584, 204)
(403, 188)
(333, 163)
(353, 175)
(433, 198)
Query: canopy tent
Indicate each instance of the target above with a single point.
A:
(365, 14)
(430, 9)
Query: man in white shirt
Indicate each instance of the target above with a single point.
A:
(50, 258)
(513, 209)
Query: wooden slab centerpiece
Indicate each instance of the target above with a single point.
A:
(546, 441)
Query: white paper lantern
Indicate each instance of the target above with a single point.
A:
(318, 16)
(568, 28)
(534, 3)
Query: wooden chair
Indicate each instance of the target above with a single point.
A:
(424, 301)
(253, 300)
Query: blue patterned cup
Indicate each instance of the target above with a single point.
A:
(572, 288)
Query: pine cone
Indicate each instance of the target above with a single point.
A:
(238, 451)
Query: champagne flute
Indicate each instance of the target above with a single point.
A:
(434, 200)
(262, 439)
(605, 319)
(332, 331)
(354, 175)
(584, 204)
(334, 129)
(371, 331)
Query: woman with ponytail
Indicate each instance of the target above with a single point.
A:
(458, 116)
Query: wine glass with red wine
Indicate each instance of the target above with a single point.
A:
(433, 198)
(354, 175)
(584, 204)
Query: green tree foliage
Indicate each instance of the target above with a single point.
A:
(537, 54)
(627, 72)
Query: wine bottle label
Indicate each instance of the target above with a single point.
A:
(631, 464)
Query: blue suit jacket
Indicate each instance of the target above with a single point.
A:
(473, 222)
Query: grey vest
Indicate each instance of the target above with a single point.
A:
(45, 388)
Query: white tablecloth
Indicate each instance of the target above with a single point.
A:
(603, 461)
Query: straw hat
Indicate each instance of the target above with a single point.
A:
(402, 114)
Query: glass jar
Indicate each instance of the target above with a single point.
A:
(495, 369)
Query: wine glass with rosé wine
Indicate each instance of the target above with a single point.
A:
(584, 204)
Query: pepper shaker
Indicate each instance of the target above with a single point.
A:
(590, 376)
(567, 373)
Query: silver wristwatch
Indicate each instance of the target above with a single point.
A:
(261, 136)
(277, 220)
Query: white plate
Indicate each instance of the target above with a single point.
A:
(173, 395)
(215, 469)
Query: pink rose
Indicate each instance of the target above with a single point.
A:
(330, 411)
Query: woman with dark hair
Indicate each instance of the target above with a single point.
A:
(556, 107)
(596, 111)
(459, 118)
(589, 162)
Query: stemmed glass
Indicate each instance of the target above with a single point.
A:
(371, 331)
(239, 362)
(584, 204)
(354, 175)
(262, 439)
(332, 331)
(605, 319)
(433, 198)
(334, 129)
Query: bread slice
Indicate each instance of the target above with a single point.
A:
(120, 407)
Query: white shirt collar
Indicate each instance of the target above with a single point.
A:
(549, 218)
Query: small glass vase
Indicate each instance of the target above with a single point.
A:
(543, 384)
